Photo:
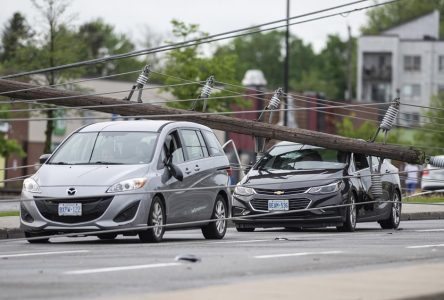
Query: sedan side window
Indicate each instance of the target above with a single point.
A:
(360, 161)
(194, 143)
(174, 148)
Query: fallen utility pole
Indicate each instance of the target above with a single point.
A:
(220, 122)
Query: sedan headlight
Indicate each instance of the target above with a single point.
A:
(127, 185)
(29, 185)
(325, 189)
(244, 191)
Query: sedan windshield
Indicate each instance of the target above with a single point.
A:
(300, 157)
(106, 148)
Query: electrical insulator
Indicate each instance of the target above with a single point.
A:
(390, 116)
(389, 120)
(204, 93)
(140, 82)
(376, 189)
(437, 161)
(275, 101)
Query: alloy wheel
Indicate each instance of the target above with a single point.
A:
(396, 209)
(220, 216)
(157, 219)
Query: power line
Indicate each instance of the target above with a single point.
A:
(204, 40)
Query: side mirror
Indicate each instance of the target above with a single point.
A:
(174, 170)
(43, 158)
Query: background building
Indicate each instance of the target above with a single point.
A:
(405, 61)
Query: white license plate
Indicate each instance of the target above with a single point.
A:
(70, 209)
(278, 205)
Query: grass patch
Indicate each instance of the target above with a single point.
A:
(9, 213)
(424, 199)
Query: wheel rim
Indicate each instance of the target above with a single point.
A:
(157, 219)
(396, 209)
(352, 211)
(220, 216)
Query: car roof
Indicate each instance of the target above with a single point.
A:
(285, 143)
(137, 125)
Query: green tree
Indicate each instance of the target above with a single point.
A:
(8, 146)
(387, 16)
(348, 127)
(15, 35)
(431, 135)
(101, 40)
(190, 63)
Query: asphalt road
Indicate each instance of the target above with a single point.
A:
(87, 268)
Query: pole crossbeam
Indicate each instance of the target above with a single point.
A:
(220, 122)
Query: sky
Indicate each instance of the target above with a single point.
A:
(132, 17)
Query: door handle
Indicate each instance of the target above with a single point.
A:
(387, 171)
(196, 169)
(187, 171)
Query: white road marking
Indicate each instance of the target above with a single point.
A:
(298, 254)
(42, 253)
(245, 241)
(123, 268)
(430, 230)
(425, 246)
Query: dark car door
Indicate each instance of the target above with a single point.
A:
(362, 172)
(382, 208)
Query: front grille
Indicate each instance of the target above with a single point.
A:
(92, 208)
(281, 192)
(294, 204)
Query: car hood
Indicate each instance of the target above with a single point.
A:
(280, 179)
(87, 175)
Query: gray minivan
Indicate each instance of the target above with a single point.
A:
(129, 174)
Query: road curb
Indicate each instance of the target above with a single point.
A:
(435, 215)
(11, 233)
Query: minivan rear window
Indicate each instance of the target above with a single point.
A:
(106, 148)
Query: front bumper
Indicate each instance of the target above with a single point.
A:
(40, 215)
(249, 211)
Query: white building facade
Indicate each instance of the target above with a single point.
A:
(406, 61)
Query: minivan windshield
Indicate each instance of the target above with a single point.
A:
(106, 148)
(300, 157)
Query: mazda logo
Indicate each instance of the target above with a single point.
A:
(71, 191)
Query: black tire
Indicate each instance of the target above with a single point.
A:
(107, 236)
(216, 230)
(247, 229)
(156, 216)
(349, 224)
(395, 214)
(32, 238)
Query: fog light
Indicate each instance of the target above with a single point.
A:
(127, 213)
(25, 215)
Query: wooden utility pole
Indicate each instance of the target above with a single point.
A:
(248, 127)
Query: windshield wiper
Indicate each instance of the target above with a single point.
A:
(60, 163)
(104, 163)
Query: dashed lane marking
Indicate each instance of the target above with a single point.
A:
(425, 246)
(297, 254)
(122, 268)
(42, 253)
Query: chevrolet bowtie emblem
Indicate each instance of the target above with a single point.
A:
(279, 192)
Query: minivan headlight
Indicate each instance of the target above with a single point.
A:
(29, 185)
(325, 189)
(244, 191)
(127, 185)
